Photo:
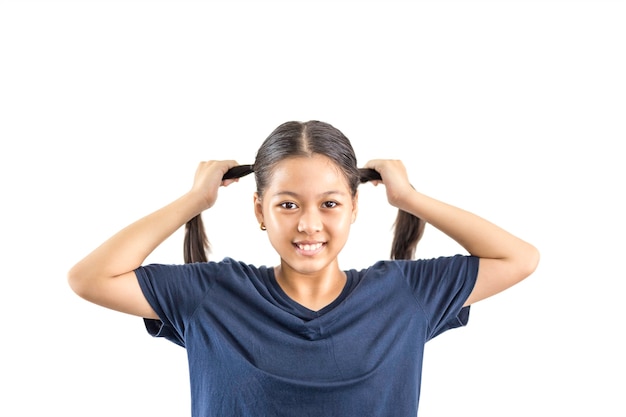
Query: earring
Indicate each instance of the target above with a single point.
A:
(262, 226)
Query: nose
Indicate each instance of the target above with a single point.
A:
(310, 222)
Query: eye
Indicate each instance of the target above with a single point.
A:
(329, 204)
(288, 205)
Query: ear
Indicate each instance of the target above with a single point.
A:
(355, 206)
(258, 207)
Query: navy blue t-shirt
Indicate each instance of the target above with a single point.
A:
(253, 351)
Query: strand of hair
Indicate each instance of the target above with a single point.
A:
(238, 172)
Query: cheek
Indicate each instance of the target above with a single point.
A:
(280, 225)
(342, 222)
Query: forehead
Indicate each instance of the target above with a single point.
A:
(303, 173)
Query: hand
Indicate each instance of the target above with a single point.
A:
(208, 179)
(395, 178)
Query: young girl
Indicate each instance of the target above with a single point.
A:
(304, 337)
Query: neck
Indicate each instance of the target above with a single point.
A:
(313, 291)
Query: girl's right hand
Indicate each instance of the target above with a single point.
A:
(208, 179)
(107, 277)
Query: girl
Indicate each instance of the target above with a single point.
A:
(305, 337)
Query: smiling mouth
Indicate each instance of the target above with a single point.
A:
(309, 247)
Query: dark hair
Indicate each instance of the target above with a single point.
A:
(292, 139)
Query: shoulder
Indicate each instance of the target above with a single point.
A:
(402, 266)
(226, 264)
(203, 273)
(439, 266)
(236, 268)
(422, 270)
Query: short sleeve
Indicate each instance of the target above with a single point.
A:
(173, 291)
(441, 286)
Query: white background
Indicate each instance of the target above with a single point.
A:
(513, 110)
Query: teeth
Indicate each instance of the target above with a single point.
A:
(310, 247)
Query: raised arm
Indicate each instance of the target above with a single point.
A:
(106, 275)
(505, 259)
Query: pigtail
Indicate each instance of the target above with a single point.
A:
(196, 246)
(408, 229)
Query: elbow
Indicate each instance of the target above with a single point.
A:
(77, 282)
(530, 261)
(73, 280)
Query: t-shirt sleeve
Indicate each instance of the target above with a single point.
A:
(441, 286)
(174, 292)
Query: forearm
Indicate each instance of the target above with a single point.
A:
(128, 249)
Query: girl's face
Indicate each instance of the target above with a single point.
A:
(308, 210)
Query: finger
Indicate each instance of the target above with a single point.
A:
(226, 183)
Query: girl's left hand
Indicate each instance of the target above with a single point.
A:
(395, 178)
